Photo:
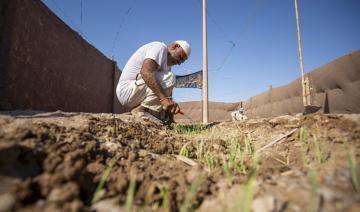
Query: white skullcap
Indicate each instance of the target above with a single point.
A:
(185, 46)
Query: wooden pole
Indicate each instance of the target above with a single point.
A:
(205, 69)
(303, 83)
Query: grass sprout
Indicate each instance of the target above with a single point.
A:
(130, 194)
(184, 151)
(242, 162)
(100, 187)
(313, 180)
(234, 161)
(165, 198)
(249, 148)
(236, 156)
(187, 204)
(210, 160)
(234, 149)
(249, 190)
(200, 150)
(304, 146)
(250, 183)
(227, 170)
(188, 128)
(314, 186)
(353, 168)
(247, 195)
(318, 151)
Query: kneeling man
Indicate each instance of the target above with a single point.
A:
(146, 83)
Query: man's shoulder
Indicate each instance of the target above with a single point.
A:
(157, 44)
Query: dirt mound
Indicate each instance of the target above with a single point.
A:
(49, 166)
(55, 161)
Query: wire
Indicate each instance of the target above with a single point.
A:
(226, 57)
(251, 18)
(69, 19)
(212, 19)
(121, 24)
(220, 29)
(243, 29)
(247, 22)
(81, 13)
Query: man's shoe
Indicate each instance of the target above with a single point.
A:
(162, 117)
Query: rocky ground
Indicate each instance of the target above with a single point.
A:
(56, 161)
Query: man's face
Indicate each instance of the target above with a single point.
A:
(177, 55)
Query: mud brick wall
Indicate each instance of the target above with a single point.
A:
(218, 111)
(117, 108)
(336, 89)
(45, 65)
(4, 44)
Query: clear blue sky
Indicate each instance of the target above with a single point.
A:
(264, 32)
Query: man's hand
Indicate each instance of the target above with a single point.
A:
(148, 73)
(170, 106)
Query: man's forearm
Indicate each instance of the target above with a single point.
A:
(148, 73)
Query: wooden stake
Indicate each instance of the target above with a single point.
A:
(205, 69)
(304, 85)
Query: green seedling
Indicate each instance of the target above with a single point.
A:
(210, 161)
(249, 190)
(236, 156)
(242, 162)
(227, 170)
(313, 180)
(100, 187)
(180, 128)
(116, 128)
(247, 195)
(248, 145)
(188, 129)
(130, 194)
(184, 151)
(235, 162)
(353, 168)
(187, 204)
(312, 174)
(250, 184)
(200, 150)
(318, 151)
(314, 186)
(234, 148)
(304, 146)
(165, 198)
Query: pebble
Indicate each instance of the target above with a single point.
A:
(108, 205)
(264, 203)
(7, 202)
(64, 193)
(327, 193)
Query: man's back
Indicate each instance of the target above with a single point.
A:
(154, 50)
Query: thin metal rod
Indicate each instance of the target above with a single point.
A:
(205, 69)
